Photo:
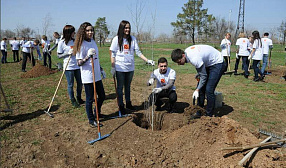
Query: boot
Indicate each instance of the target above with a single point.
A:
(74, 103)
(122, 109)
(79, 100)
(129, 106)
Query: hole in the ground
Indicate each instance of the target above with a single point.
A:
(145, 121)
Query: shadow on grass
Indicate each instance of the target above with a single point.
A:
(24, 117)
(110, 96)
(224, 110)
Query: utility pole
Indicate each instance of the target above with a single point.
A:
(240, 22)
(228, 27)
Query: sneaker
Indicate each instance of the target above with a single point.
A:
(74, 103)
(79, 100)
(235, 73)
(246, 76)
(94, 124)
(129, 106)
(256, 79)
(262, 77)
(23, 70)
(122, 109)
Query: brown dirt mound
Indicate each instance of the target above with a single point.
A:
(38, 70)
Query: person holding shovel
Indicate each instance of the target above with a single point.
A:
(27, 50)
(58, 38)
(65, 51)
(86, 49)
(225, 50)
(165, 79)
(122, 51)
(209, 65)
(267, 45)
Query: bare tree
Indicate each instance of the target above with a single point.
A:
(23, 31)
(47, 24)
(137, 18)
(282, 31)
(7, 33)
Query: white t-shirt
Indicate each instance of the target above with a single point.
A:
(45, 45)
(63, 48)
(124, 60)
(86, 68)
(28, 45)
(163, 79)
(225, 51)
(3, 45)
(258, 53)
(243, 44)
(198, 55)
(15, 45)
(266, 42)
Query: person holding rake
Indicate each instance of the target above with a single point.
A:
(65, 51)
(86, 49)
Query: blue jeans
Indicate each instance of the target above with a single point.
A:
(4, 56)
(256, 69)
(214, 74)
(245, 65)
(265, 61)
(89, 94)
(123, 79)
(70, 75)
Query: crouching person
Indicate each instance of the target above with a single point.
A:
(209, 64)
(165, 78)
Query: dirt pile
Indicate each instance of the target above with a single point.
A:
(38, 70)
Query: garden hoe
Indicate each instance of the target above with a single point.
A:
(119, 112)
(48, 111)
(96, 107)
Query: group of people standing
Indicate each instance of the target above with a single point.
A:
(253, 49)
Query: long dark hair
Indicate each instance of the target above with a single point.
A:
(120, 34)
(256, 35)
(80, 36)
(67, 33)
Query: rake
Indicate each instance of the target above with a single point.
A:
(96, 107)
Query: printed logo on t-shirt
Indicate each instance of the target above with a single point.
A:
(243, 41)
(126, 46)
(163, 81)
(193, 47)
(264, 39)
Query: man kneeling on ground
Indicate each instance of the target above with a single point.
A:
(165, 78)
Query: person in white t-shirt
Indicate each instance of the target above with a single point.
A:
(22, 42)
(58, 38)
(267, 45)
(27, 49)
(4, 50)
(65, 49)
(86, 49)
(209, 65)
(122, 51)
(242, 51)
(46, 54)
(165, 79)
(15, 45)
(225, 50)
(256, 55)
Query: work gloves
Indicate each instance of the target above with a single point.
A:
(70, 51)
(113, 71)
(156, 90)
(196, 94)
(151, 62)
(150, 81)
(91, 52)
(103, 74)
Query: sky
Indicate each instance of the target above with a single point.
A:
(262, 15)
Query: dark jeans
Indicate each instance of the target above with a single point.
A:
(123, 79)
(46, 54)
(245, 65)
(236, 63)
(214, 74)
(256, 69)
(25, 55)
(89, 94)
(4, 56)
(226, 62)
(265, 62)
(171, 94)
(70, 75)
(15, 55)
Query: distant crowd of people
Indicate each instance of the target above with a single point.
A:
(81, 61)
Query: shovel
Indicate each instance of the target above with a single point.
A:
(95, 100)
